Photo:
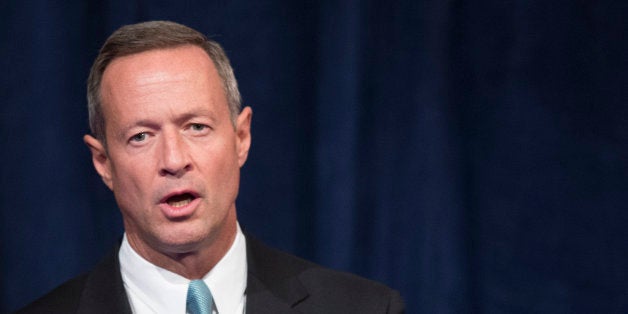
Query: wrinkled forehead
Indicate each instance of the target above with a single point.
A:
(181, 59)
(180, 76)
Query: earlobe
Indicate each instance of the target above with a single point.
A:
(100, 159)
(243, 134)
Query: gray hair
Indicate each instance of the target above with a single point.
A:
(142, 37)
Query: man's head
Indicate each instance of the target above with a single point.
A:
(141, 37)
(171, 141)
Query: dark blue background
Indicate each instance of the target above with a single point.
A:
(471, 154)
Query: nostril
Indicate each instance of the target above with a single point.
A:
(172, 171)
(163, 172)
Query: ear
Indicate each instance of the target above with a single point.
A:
(100, 159)
(243, 134)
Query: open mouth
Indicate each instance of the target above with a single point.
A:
(180, 200)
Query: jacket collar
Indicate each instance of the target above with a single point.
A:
(273, 285)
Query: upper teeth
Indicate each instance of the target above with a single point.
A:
(180, 203)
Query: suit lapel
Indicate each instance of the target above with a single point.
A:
(272, 282)
(260, 299)
(104, 290)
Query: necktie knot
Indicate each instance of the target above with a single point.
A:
(199, 299)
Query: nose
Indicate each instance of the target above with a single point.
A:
(175, 159)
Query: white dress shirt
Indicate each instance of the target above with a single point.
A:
(152, 289)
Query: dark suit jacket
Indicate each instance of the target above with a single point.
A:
(277, 283)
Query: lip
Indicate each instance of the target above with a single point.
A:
(179, 212)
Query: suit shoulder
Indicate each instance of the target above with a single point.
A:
(100, 290)
(62, 299)
(331, 279)
(350, 293)
(328, 290)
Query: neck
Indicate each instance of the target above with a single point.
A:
(191, 263)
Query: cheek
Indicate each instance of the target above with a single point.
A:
(131, 182)
(221, 169)
(127, 191)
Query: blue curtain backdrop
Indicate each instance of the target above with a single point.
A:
(471, 154)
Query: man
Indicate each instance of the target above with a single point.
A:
(169, 139)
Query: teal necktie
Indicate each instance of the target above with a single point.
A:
(199, 300)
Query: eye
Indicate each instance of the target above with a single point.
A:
(197, 127)
(139, 137)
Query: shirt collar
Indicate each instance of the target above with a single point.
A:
(163, 291)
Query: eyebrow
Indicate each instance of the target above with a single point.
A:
(122, 133)
(196, 113)
(179, 119)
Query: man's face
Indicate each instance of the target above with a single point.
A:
(173, 155)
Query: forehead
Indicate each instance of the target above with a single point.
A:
(153, 65)
(172, 55)
(180, 76)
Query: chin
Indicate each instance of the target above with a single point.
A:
(182, 242)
